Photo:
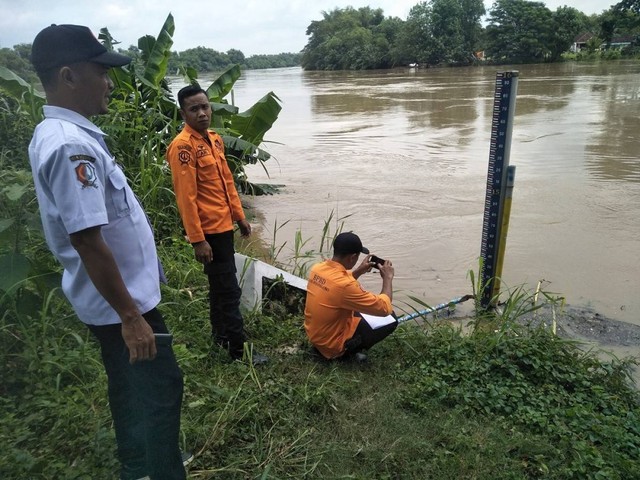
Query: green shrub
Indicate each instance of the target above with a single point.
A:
(583, 408)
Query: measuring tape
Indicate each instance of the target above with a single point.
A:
(499, 186)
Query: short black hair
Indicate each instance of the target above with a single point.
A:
(189, 91)
(48, 77)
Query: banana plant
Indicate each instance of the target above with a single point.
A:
(29, 100)
(242, 132)
(143, 87)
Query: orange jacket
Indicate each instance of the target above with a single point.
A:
(205, 192)
(332, 296)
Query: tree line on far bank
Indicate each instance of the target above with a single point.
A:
(436, 32)
(200, 59)
(451, 32)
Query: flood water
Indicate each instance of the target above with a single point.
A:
(402, 157)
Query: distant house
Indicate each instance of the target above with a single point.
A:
(580, 41)
(620, 42)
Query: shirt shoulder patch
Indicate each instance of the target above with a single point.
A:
(184, 156)
(86, 174)
(82, 157)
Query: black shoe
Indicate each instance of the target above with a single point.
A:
(355, 357)
(315, 354)
(187, 458)
(360, 357)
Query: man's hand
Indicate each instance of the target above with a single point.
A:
(102, 268)
(245, 228)
(364, 267)
(203, 252)
(386, 270)
(138, 336)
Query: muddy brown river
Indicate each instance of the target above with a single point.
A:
(400, 157)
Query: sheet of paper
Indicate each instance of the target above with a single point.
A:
(377, 322)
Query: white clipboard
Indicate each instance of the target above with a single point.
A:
(377, 322)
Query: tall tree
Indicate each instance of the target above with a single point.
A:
(472, 13)
(235, 56)
(568, 23)
(628, 5)
(390, 28)
(347, 39)
(519, 31)
(456, 28)
(415, 42)
(441, 31)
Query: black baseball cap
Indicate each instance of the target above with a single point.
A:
(347, 243)
(59, 45)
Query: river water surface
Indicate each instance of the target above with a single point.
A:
(403, 155)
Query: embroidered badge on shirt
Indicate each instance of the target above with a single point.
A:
(184, 156)
(86, 175)
(202, 151)
(218, 144)
(78, 158)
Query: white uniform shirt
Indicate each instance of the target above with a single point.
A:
(79, 185)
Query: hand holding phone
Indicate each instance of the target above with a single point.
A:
(377, 261)
(163, 338)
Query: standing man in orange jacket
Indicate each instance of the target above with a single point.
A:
(209, 205)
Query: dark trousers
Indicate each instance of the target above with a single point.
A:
(366, 337)
(145, 400)
(227, 324)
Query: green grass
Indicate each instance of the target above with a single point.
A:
(431, 403)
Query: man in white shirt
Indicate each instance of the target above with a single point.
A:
(98, 231)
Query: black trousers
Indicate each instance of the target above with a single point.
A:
(366, 337)
(145, 400)
(227, 324)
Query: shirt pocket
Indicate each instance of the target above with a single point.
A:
(119, 201)
(208, 169)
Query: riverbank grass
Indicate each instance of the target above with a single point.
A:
(431, 402)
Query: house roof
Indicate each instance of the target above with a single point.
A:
(583, 37)
(623, 39)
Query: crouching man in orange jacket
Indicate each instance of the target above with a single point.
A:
(335, 301)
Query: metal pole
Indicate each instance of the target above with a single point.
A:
(499, 150)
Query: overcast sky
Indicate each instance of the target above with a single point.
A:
(254, 26)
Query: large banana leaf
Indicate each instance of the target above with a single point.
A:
(22, 91)
(223, 84)
(223, 109)
(247, 151)
(189, 74)
(121, 77)
(156, 53)
(252, 124)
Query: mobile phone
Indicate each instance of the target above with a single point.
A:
(376, 260)
(163, 338)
